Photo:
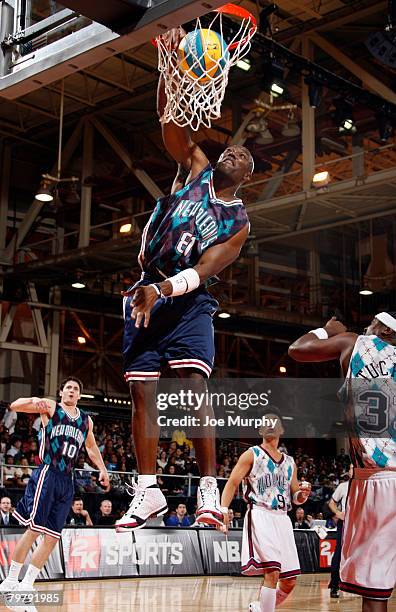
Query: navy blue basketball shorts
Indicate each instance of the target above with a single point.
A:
(47, 501)
(180, 334)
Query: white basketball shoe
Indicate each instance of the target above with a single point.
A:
(6, 587)
(208, 502)
(254, 606)
(24, 602)
(147, 502)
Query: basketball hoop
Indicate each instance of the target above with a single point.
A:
(196, 100)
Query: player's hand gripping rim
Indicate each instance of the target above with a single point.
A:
(143, 301)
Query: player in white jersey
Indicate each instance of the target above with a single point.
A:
(368, 559)
(270, 484)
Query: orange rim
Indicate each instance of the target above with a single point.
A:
(237, 11)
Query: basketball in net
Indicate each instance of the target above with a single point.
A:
(203, 55)
(196, 72)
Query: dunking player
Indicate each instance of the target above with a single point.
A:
(268, 546)
(193, 234)
(368, 558)
(49, 493)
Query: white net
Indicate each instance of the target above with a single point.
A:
(197, 101)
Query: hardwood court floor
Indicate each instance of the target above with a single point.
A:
(206, 594)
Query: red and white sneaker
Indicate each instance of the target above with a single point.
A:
(147, 503)
(208, 502)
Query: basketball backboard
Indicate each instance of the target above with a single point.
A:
(92, 44)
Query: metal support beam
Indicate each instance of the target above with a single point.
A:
(86, 190)
(5, 171)
(367, 79)
(27, 348)
(6, 28)
(36, 206)
(37, 317)
(357, 155)
(52, 358)
(314, 280)
(125, 156)
(308, 124)
(7, 324)
(274, 183)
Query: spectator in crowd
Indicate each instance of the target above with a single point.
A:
(105, 515)
(179, 459)
(331, 522)
(300, 522)
(15, 449)
(174, 485)
(9, 420)
(179, 519)
(9, 472)
(83, 477)
(161, 482)
(233, 523)
(79, 516)
(6, 517)
(162, 461)
(22, 473)
(309, 518)
(179, 436)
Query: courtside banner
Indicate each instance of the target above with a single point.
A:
(97, 553)
(221, 554)
(168, 552)
(9, 537)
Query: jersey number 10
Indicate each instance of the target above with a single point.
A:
(69, 450)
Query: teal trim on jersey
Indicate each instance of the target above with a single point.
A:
(274, 504)
(357, 364)
(379, 344)
(289, 472)
(271, 465)
(256, 451)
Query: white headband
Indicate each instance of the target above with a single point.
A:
(386, 319)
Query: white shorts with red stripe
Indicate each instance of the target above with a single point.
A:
(368, 557)
(268, 543)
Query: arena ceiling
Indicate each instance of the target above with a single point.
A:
(111, 99)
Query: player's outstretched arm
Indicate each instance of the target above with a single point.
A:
(34, 405)
(95, 455)
(177, 140)
(310, 348)
(242, 469)
(219, 257)
(300, 490)
(213, 261)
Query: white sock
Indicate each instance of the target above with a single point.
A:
(31, 574)
(207, 480)
(147, 480)
(267, 599)
(280, 596)
(14, 572)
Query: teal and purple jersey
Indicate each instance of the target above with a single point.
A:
(186, 223)
(61, 440)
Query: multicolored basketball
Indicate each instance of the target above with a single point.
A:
(202, 55)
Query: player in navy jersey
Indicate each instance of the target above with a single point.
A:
(49, 493)
(192, 235)
(368, 555)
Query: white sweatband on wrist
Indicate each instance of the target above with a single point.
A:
(158, 290)
(320, 333)
(224, 509)
(184, 282)
(295, 499)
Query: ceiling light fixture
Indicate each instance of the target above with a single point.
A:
(224, 315)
